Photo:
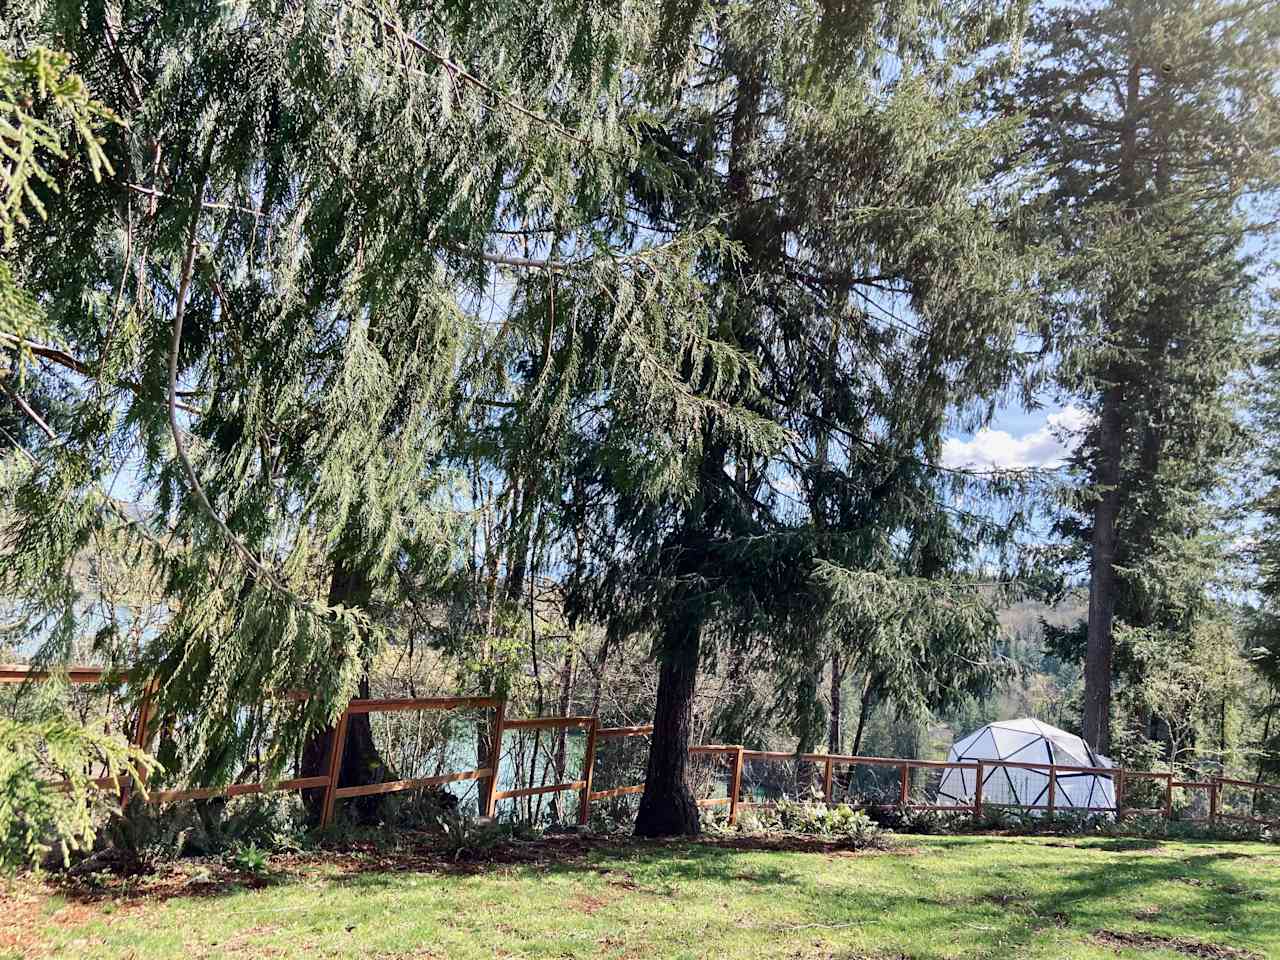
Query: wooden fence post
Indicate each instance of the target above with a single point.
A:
(977, 792)
(1168, 797)
(1118, 781)
(495, 757)
(827, 780)
(1053, 784)
(735, 784)
(589, 762)
(1215, 798)
(337, 744)
(905, 796)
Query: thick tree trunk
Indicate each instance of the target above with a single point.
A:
(667, 807)
(361, 761)
(864, 711)
(833, 727)
(1102, 577)
(1096, 721)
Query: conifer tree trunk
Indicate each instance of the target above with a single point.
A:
(864, 711)
(361, 761)
(833, 727)
(1102, 578)
(1096, 722)
(667, 807)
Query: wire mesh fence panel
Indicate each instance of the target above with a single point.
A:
(708, 775)
(1192, 801)
(620, 766)
(1144, 792)
(250, 752)
(429, 744)
(1238, 800)
(924, 786)
(538, 763)
(101, 706)
(769, 780)
(866, 784)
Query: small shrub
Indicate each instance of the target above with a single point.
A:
(816, 819)
(465, 838)
(934, 822)
(37, 821)
(248, 858)
(714, 820)
(145, 835)
(418, 809)
(751, 823)
(612, 817)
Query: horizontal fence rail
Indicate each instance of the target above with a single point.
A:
(1123, 779)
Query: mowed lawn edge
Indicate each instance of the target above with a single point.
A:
(930, 897)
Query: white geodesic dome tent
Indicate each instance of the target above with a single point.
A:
(1027, 741)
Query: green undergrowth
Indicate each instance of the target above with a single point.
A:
(727, 897)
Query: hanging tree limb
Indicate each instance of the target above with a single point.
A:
(175, 342)
(110, 503)
(460, 72)
(73, 363)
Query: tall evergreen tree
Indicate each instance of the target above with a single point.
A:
(868, 283)
(1156, 125)
(265, 314)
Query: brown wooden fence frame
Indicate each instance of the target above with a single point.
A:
(333, 792)
(144, 729)
(583, 786)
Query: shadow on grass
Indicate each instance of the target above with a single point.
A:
(1018, 889)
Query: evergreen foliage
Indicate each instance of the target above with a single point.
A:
(42, 103)
(875, 293)
(304, 206)
(1155, 125)
(357, 327)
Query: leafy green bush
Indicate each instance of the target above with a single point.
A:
(418, 809)
(933, 822)
(248, 857)
(814, 819)
(465, 837)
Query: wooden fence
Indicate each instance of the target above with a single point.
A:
(143, 727)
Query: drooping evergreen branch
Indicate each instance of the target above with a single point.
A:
(27, 410)
(75, 364)
(457, 70)
(175, 343)
(204, 204)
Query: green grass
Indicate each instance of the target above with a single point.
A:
(954, 897)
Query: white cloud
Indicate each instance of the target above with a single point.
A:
(1044, 447)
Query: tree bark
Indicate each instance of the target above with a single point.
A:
(667, 807)
(566, 700)
(864, 711)
(361, 761)
(1096, 720)
(1102, 577)
(833, 727)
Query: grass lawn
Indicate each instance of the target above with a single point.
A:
(934, 897)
